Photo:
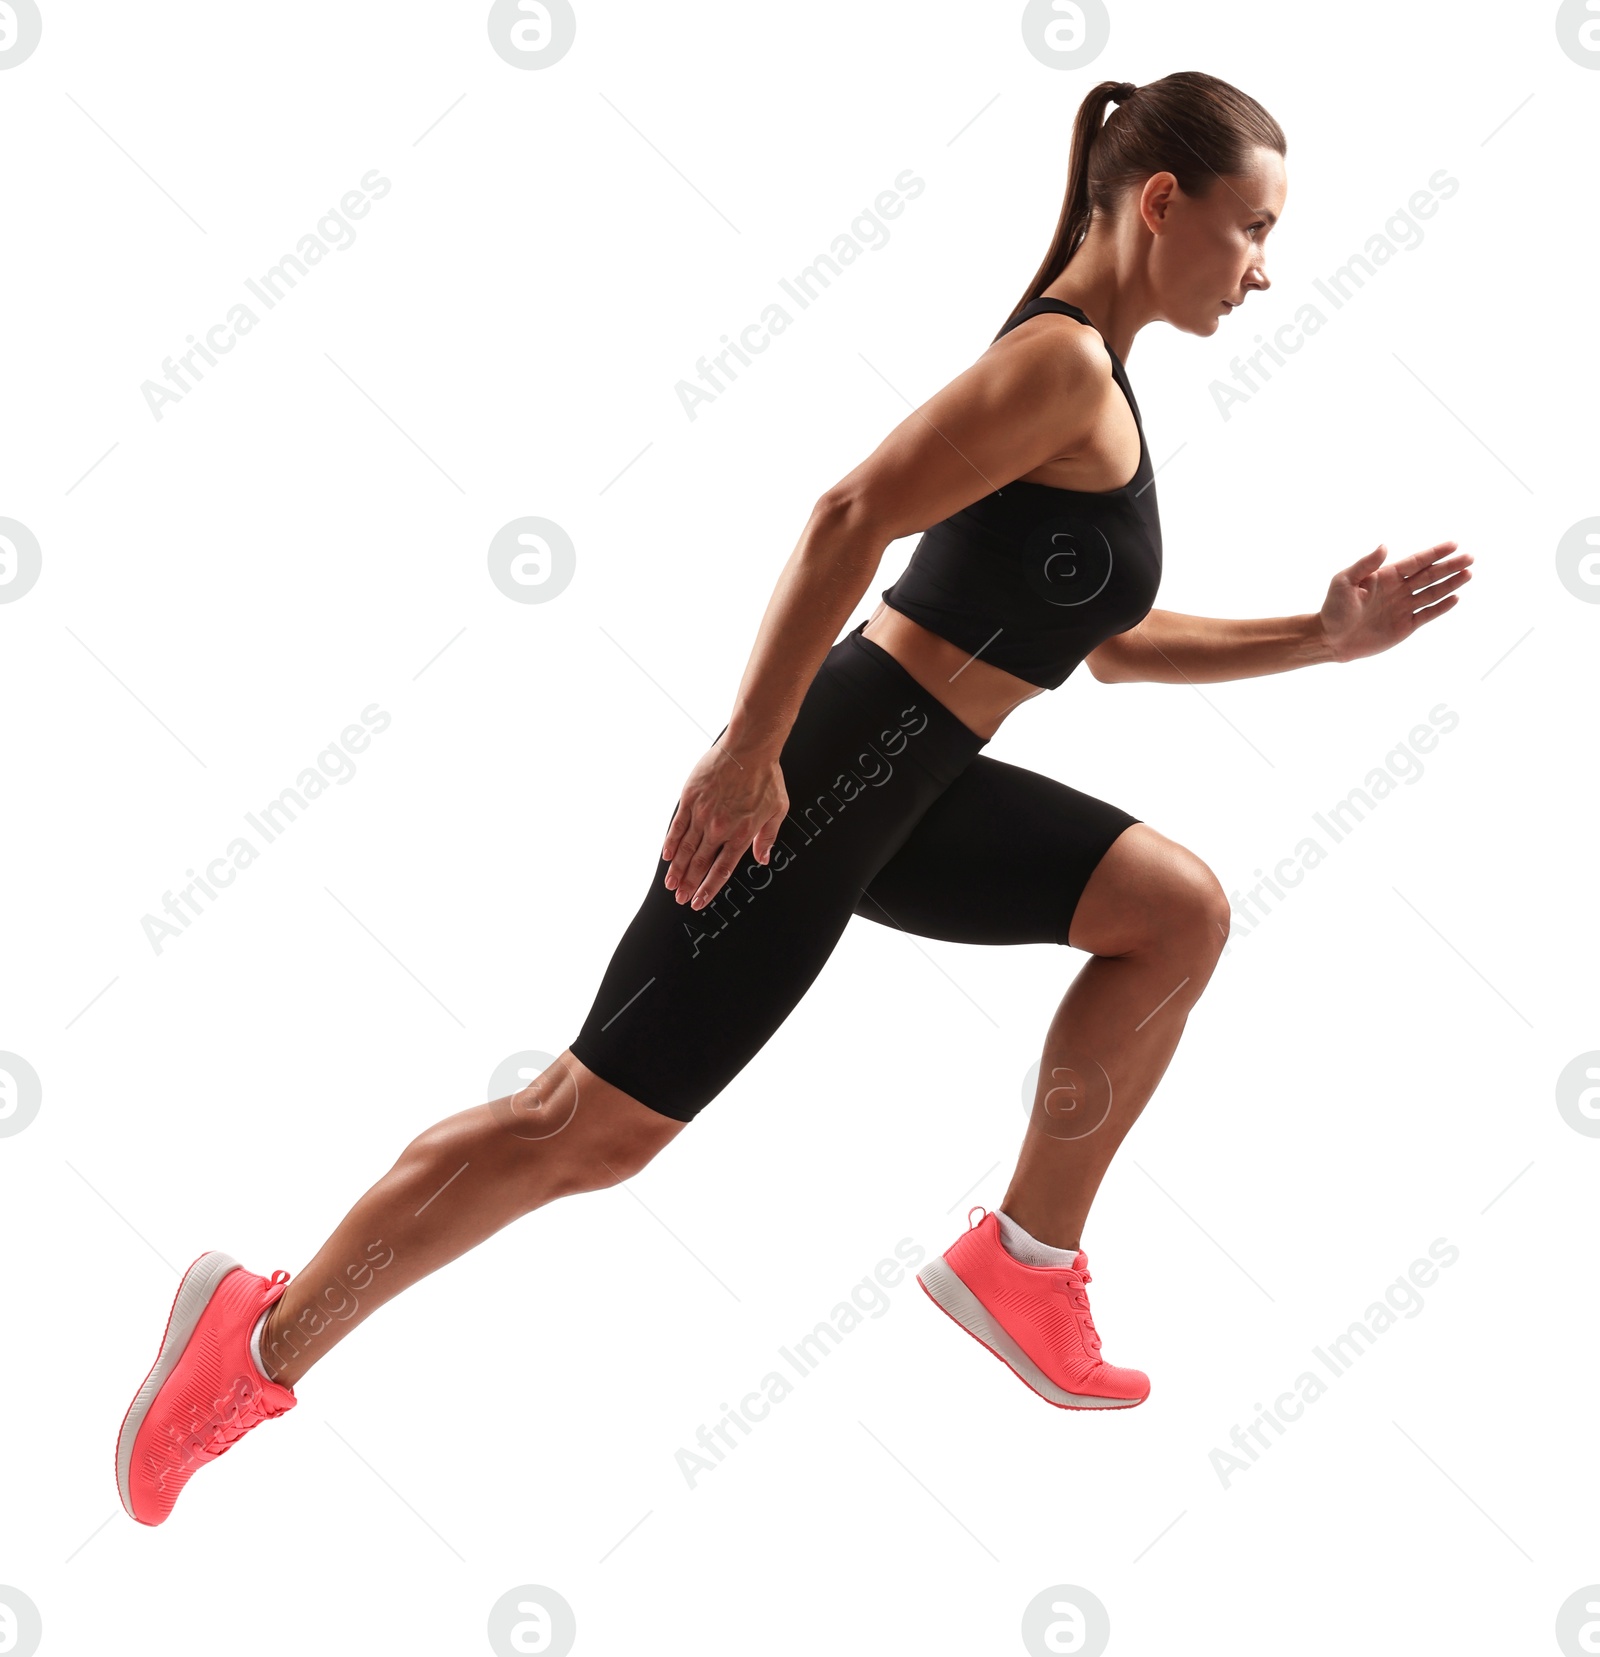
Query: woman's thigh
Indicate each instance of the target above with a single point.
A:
(1001, 857)
(690, 996)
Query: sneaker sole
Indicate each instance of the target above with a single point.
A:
(194, 1295)
(957, 1302)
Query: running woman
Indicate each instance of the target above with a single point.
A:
(850, 779)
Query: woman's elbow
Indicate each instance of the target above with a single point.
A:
(848, 524)
(849, 508)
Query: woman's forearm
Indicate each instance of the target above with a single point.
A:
(1172, 649)
(830, 568)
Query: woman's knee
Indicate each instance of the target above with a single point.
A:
(1149, 892)
(615, 1151)
(1199, 899)
(580, 1132)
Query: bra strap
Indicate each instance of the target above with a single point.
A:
(1055, 305)
(1045, 303)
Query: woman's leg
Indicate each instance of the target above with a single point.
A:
(1155, 919)
(454, 1185)
(688, 998)
(1007, 856)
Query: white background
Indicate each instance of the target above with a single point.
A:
(1372, 1068)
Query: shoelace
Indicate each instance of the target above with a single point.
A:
(235, 1416)
(244, 1406)
(1072, 1284)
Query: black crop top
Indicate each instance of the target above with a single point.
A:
(1031, 578)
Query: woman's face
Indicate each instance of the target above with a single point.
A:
(1209, 250)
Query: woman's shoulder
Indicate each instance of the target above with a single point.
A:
(1053, 359)
(1058, 350)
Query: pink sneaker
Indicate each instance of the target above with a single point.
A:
(203, 1392)
(1035, 1319)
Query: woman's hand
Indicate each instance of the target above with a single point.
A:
(730, 803)
(1369, 608)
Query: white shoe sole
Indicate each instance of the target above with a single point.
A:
(957, 1301)
(193, 1296)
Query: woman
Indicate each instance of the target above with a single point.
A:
(850, 779)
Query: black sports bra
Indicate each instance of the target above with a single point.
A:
(1031, 578)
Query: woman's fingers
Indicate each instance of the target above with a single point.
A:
(710, 866)
(762, 842)
(681, 819)
(683, 859)
(716, 875)
(1437, 589)
(695, 869)
(1408, 566)
(719, 811)
(1435, 572)
(1420, 616)
(1363, 567)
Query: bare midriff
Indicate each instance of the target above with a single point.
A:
(977, 693)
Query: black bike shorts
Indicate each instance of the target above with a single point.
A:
(895, 814)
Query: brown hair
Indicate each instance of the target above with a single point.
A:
(1189, 124)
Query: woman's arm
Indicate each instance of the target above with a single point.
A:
(1171, 649)
(1032, 396)
(826, 576)
(1370, 606)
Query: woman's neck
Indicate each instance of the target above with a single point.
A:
(1098, 281)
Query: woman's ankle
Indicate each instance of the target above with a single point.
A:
(277, 1359)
